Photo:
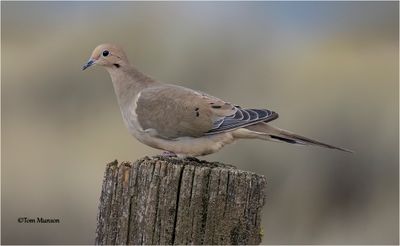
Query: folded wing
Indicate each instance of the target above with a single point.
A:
(175, 112)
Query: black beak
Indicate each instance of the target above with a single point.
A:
(88, 64)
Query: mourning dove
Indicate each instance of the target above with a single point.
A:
(182, 121)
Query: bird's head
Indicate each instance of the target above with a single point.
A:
(107, 55)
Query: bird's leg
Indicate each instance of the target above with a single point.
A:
(168, 154)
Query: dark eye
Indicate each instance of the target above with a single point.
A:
(106, 53)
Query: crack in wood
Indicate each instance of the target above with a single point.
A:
(177, 204)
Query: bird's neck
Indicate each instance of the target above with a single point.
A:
(128, 82)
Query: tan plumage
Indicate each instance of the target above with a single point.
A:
(181, 120)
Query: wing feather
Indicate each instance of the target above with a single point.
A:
(252, 116)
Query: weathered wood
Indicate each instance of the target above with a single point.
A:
(162, 200)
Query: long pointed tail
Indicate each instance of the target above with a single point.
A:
(269, 132)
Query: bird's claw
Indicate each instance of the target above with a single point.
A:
(168, 154)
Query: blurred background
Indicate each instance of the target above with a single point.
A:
(330, 69)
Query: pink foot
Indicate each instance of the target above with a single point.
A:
(168, 154)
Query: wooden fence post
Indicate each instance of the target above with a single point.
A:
(162, 200)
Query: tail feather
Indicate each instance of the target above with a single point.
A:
(287, 140)
(272, 133)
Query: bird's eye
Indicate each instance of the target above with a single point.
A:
(106, 53)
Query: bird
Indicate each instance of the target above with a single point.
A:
(180, 121)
